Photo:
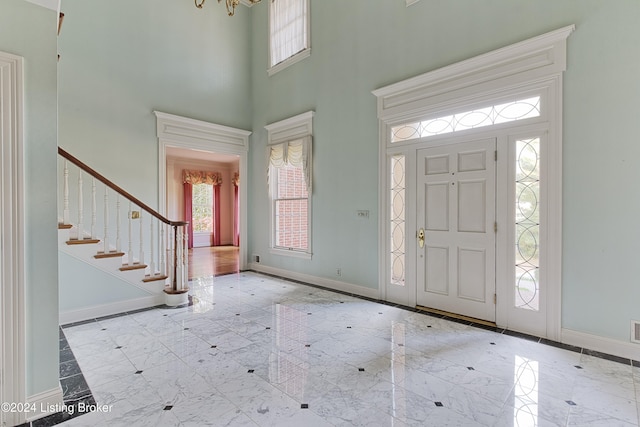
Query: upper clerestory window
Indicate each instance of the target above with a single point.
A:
(288, 33)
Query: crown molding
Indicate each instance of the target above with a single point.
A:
(49, 4)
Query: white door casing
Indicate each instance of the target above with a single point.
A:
(191, 134)
(456, 209)
(12, 239)
(533, 67)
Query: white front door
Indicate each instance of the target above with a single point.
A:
(456, 191)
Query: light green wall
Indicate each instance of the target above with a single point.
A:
(123, 59)
(102, 289)
(360, 45)
(29, 31)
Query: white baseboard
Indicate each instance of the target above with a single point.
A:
(45, 403)
(627, 350)
(109, 309)
(315, 280)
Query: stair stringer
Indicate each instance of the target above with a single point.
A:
(86, 252)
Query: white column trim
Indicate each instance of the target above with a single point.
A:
(12, 244)
(191, 134)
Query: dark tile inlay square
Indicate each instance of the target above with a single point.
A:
(237, 314)
(428, 326)
(470, 368)
(578, 367)
(400, 345)
(138, 372)
(361, 369)
(118, 347)
(186, 329)
(268, 327)
(492, 343)
(348, 327)
(214, 346)
(570, 402)
(439, 404)
(251, 371)
(307, 345)
(304, 406)
(168, 408)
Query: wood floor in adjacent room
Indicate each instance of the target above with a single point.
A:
(213, 261)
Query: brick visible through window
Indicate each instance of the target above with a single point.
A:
(291, 209)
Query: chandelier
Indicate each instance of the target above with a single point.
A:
(231, 4)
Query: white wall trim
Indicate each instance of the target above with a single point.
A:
(627, 350)
(49, 4)
(45, 403)
(12, 237)
(191, 134)
(460, 83)
(96, 311)
(292, 128)
(315, 280)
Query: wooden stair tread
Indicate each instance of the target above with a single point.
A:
(86, 241)
(110, 254)
(134, 266)
(62, 226)
(154, 278)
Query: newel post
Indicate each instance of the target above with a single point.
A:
(177, 292)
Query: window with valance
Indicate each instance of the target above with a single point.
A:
(202, 203)
(289, 177)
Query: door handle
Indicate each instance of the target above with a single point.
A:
(421, 237)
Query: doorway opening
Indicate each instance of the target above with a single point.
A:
(188, 144)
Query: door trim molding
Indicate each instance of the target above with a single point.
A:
(12, 225)
(536, 65)
(191, 134)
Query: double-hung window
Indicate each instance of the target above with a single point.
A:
(288, 33)
(289, 176)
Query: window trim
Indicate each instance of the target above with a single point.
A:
(284, 131)
(283, 250)
(296, 57)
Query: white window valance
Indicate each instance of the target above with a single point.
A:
(295, 153)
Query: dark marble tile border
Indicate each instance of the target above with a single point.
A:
(495, 329)
(76, 391)
(112, 316)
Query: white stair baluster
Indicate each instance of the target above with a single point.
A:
(65, 211)
(130, 251)
(163, 250)
(93, 208)
(141, 256)
(106, 221)
(152, 265)
(80, 228)
(118, 243)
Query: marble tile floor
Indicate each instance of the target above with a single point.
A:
(254, 350)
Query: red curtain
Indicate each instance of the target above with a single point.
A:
(236, 216)
(216, 215)
(188, 199)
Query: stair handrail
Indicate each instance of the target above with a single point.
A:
(79, 163)
(175, 224)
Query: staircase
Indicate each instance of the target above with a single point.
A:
(120, 236)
